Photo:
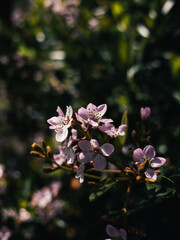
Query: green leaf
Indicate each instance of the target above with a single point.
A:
(122, 139)
(100, 191)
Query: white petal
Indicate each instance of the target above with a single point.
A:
(62, 134)
(150, 173)
(94, 143)
(157, 162)
(107, 149)
(60, 112)
(149, 151)
(69, 112)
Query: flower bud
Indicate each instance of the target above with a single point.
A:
(145, 113)
(139, 178)
(37, 154)
(149, 180)
(37, 147)
(49, 152)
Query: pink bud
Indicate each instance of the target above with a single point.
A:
(145, 113)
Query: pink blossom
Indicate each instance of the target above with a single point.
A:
(114, 233)
(24, 215)
(113, 132)
(145, 113)
(41, 198)
(66, 152)
(93, 115)
(61, 123)
(91, 150)
(148, 153)
(5, 233)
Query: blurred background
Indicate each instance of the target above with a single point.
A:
(53, 52)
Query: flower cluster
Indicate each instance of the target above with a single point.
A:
(79, 146)
(89, 142)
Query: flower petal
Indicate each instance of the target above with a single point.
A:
(106, 120)
(99, 162)
(60, 112)
(54, 121)
(62, 134)
(150, 173)
(149, 151)
(101, 110)
(112, 231)
(85, 145)
(85, 157)
(69, 155)
(69, 112)
(121, 129)
(91, 108)
(107, 149)
(106, 127)
(94, 143)
(157, 162)
(138, 155)
(123, 234)
(93, 123)
(82, 112)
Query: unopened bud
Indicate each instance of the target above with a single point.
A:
(145, 113)
(139, 178)
(44, 146)
(133, 133)
(49, 152)
(129, 171)
(37, 154)
(158, 171)
(149, 180)
(37, 147)
(148, 138)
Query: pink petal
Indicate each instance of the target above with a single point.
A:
(123, 234)
(93, 123)
(138, 155)
(60, 112)
(69, 155)
(85, 157)
(106, 127)
(62, 134)
(54, 121)
(112, 231)
(150, 173)
(101, 109)
(83, 113)
(157, 162)
(99, 162)
(85, 145)
(69, 111)
(149, 151)
(106, 120)
(91, 108)
(107, 149)
(121, 129)
(94, 143)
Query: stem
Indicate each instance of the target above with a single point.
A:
(105, 170)
(126, 204)
(73, 170)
